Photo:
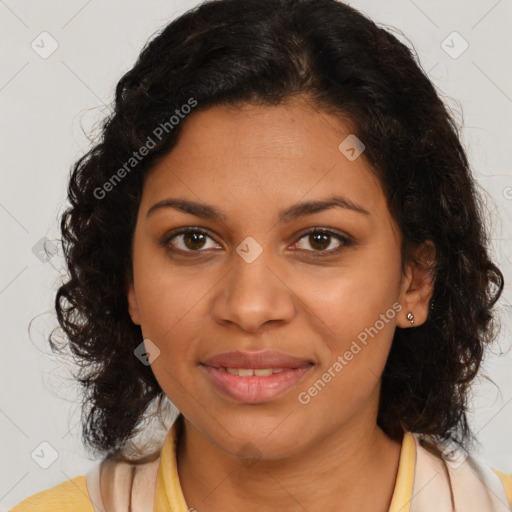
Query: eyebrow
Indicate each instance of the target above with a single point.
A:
(209, 212)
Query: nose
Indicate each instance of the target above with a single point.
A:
(253, 295)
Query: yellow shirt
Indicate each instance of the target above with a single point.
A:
(73, 495)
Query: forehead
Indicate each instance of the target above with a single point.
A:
(261, 157)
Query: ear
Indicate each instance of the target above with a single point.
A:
(133, 307)
(417, 285)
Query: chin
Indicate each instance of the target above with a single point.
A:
(255, 437)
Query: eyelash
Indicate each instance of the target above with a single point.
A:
(345, 241)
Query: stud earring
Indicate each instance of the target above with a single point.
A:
(410, 317)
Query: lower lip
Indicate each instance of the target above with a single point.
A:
(255, 390)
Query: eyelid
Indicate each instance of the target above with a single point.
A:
(345, 239)
(328, 230)
(167, 237)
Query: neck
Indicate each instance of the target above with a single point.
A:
(354, 466)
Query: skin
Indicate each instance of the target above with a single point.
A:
(250, 162)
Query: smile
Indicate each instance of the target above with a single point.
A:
(255, 385)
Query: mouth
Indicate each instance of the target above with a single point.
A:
(254, 378)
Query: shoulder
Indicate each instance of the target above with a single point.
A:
(462, 477)
(506, 481)
(68, 496)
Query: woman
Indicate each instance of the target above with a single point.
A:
(280, 234)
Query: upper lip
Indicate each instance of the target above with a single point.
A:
(264, 359)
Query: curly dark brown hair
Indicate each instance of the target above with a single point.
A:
(264, 52)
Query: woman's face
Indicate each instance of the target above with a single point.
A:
(252, 288)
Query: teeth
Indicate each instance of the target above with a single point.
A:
(251, 372)
(263, 372)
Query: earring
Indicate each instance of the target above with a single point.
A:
(410, 317)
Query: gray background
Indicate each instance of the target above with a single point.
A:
(45, 104)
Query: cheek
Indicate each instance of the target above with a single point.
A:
(166, 294)
(360, 308)
(354, 299)
(171, 307)
(355, 353)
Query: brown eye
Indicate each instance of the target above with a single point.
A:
(188, 240)
(194, 240)
(319, 241)
(322, 241)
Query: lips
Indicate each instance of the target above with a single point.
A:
(255, 377)
(254, 360)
